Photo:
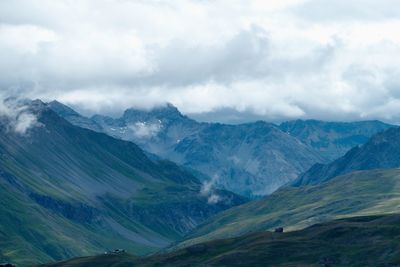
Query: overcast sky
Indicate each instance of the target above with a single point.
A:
(225, 60)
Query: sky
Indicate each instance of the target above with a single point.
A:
(218, 60)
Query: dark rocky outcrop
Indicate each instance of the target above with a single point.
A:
(78, 212)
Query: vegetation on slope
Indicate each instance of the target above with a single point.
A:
(68, 191)
(357, 241)
(358, 193)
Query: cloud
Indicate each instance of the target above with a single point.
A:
(273, 60)
(208, 190)
(145, 130)
(342, 10)
(213, 199)
(183, 64)
(16, 116)
(24, 121)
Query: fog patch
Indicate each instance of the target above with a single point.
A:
(208, 190)
(145, 130)
(16, 116)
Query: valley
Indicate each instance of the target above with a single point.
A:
(68, 191)
(92, 190)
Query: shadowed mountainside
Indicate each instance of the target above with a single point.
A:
(68, 191)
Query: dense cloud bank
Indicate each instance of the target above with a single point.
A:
(275, 60)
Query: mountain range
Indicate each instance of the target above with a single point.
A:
(78, 186)
(68, 191)
(365, 181)
(252, 159)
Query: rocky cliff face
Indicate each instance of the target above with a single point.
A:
(78, 212)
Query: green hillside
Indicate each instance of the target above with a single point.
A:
(357, 241)
(358, 193)
(67, 191)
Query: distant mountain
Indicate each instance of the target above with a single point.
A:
(335, 243)
(249, 159)
(382, 151)
(74, 117)
(68, 191)
(355, 194)
(333, 139)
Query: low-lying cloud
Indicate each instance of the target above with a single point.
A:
(145, 130)
(208, 190)
(16, 116)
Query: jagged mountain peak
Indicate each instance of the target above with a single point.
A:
(164, 112)
(61, 108)
(23, 103)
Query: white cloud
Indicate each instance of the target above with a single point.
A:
(342, 10)
(24, 122)
(208, 190)
(16, 117)
(274, 59)
(145, 130)
(213, 199)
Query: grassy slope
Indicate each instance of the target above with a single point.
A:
(79, 172)
(357, 241)
(30, 233)
(358, 193)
